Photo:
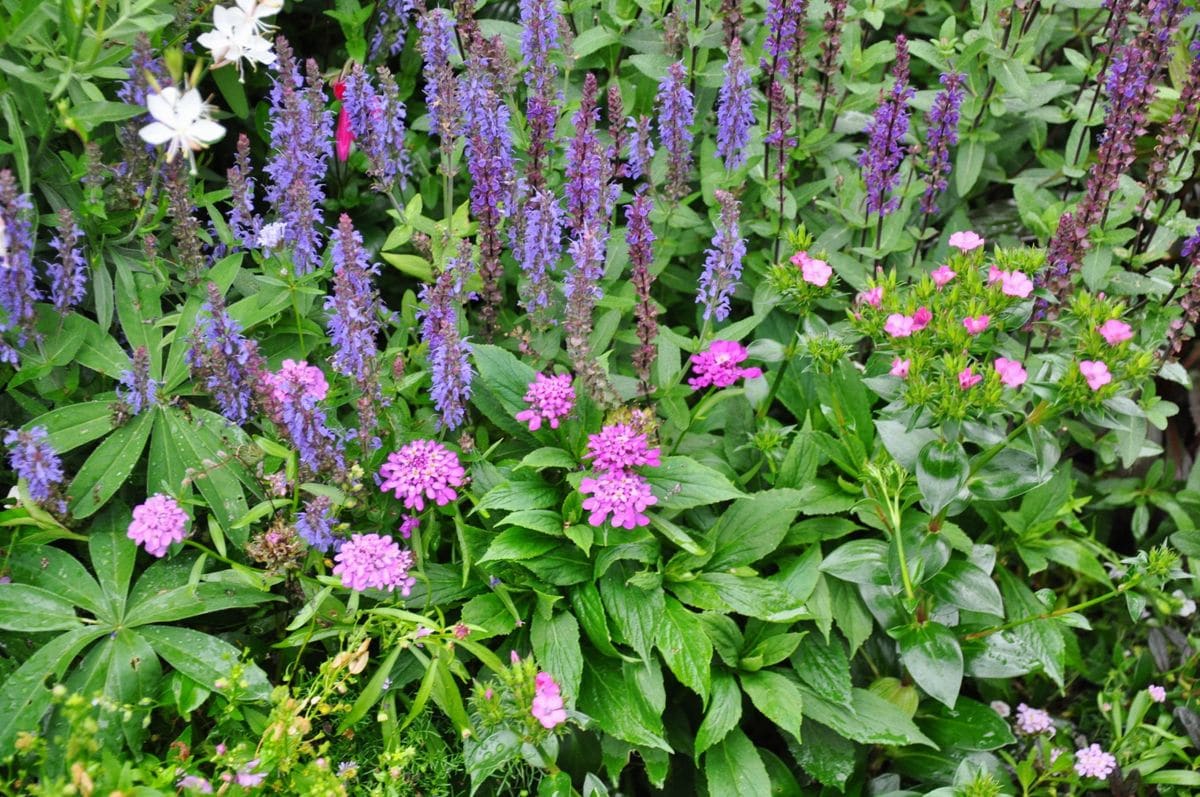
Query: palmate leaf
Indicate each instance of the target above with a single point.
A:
(205, 659)
(113, 555)
(31, 609)
(75, 425)
(139, 310)
(58, 572)
(107, 468)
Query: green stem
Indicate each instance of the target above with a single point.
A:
(693, 416)
(1078, 607)
(789, 354)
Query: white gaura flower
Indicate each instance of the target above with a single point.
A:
(235, 36)
(181, 120)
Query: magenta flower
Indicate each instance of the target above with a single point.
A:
(1157, 693)
(309, 377)
(1093, 762)
(994, 274)
(942, 275)
(873, 297)
(371, 561)
(619, 447)
(547, 705)
(967, 379)
(621, 494)
(1096, 373)
(900, 368)
(157, 523)
(549, 398)
(1114, 331)
(814, 271)
(718, 366)
(422, 469)
(976, 325)
(1032, 721)
(1015, 283)
(408, 525)
(898, 325)
(921, 318)
(966, 241)
(1011, 372)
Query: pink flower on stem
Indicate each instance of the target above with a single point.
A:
(619, 447)
(547, 705)
(1012, 374)
(549, 398)
(1096, 373)
(344, 135)
(966, 241)
(976, 325)
(1094, 762)
(942, 275)
(157, 523)
(1114, 331)
(1032, 721)
(994, 274)
(814, 271)
(898, 325)
(309, 377)
(1157, 693)
(873, 296)
(719, 365)
(900, 368)
(408, 525)
(422, 469)
(921, 318)
(621, 494)
(1015, 283)
(967, 379)
(371, 561)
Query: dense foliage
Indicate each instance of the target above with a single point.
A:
(599, 398)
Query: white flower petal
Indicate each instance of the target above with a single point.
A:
(156, 133)
(162, 105)
(207, 131)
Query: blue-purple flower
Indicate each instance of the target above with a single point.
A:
(735, 114)
(448, 352)
(17, 289)
(68, 272)
(537, 245)
(225, 362)
(244, 223)
(391, 25)
(723, 262)
(885, 151)
(675, 118)
(377, 121)
(35, 461)
(314, 524)
(138, 389)
(940, 137)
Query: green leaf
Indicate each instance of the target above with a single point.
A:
(75, 425)
(777, 697)
(733, 768)
(1040, 639)
(752, 528)
(222, 275)
(724, 592)
(970, 725)
(859, 562)
(200, 449)
(514, 495)
(133, 674)
(824, 667)
(499, 392)
(489, 614)
(101, 353)
(58, 572)
(1010, 473)
(371, 693)
(636, 614)
(683, 483)
(724, 711)
(608, 697)
(138, 310)
(961, 583)
(968, 164)
(556, 645)
(519, 544)
(685, 648)
(589, 610)
(825, 755)
(108, 467)
(113, 555)
(484, 755)
(933, 657)
(591, 40)
(868, 719)
(232, 89)
(546, 521)
(206, 659)
(942, 469)
(30, 609)
(188, 601)
(548, 457)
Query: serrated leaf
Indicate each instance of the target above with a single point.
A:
(686, 648)
(777, 697)
(734, 768)
(724, 711)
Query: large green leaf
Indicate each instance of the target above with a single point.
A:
(752, 528)
(609, 698)
(75, 425)
(113, 555)
(724, 711)
(201, 450)
(499, 392)
(932, 655)
(165, 469)
(518, 544)
(683, 483)
(942, 469)
(139, 310)
(205, 659)
(749, 595)
(188, 601)
(777, 697)
(734, 768)
(133, 675)
(1040, 639)
(635, 613)
(825, 667)
(961, 583)
(108, 467)
(825, 754)
(556, 644)
(868, 719)
(970, 725)
(685, 647)
(56, 571)
(30, 609)
(100, 352)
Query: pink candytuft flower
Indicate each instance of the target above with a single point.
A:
(942, 275)
(873, 296)
(1015, 283)
(408, 525)
(900, 368)
(814, 271)
(549, 398)
(547, 705)
(976, 325)
(621, 494)
(967, 379)
(966, 241)
(1157, 693)
(371, 561)
(1094, 762)
(898, 326)
(1012, 374)
(718, 365)
(619, 447)
(1032, 721)
(921, 318)
(1096, 373)
(422, 469)
(157, 523)
(1114, 331)
(293, 372)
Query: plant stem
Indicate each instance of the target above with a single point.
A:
(1050, 615)
(788, 355)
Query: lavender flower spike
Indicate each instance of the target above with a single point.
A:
(138, 389)
(537, 245)
(941, 136)
(354, 307)
(377, 120)
(225, 362)
(723, 263)
(675, 118)
(588, 193)
(36, 461)
(449, 353)
(735, 115)
(539, 37)
(391, 25)
(17, 289)
(244, 223)
(68, 272)
(640, 238)
(441, 93)
(885, 151)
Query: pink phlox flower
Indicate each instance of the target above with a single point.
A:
(422, 469)
(1015, 283)
(814, 271)
(967, 379)
(619, 447)
(1032, 721)
(900, 368)
(1114, 331)
(371, 561)
(1157, 693)
(621, 494)
(976, 325)
(966, 241)
(942, 275)
(547, 705)
(294, 373)
(1094, 762)
(248, 778)
(1012, 374)
(898, 325)
(921, 318)
(1096, 373)
(873, 296)
(718, 365)
(157, 523)
(550, 398)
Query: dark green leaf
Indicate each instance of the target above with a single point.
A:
(724, 592)
(556, 645)
(519, 544)
(58, 572)
(868, 719)
(825, 667)
(733, 768)
(685, 647)
(933, 657)
(827, 756)
(188, 601)
(752, 528)
(113, 555)
(942, 469)
(970, 725)
(859, 562)
(636, 614)
(960, 583)
(724, 711)
(609, 698)
(108, 467)
(777, 697)
(30, 609)
(75, 425)
(683, 483)
(206, 659)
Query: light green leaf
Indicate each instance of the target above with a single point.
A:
(724, 711)
(683, 483)
(206, 659)
(932, 655)
(30, 609)
(58, 572)
(733, 768)
(777, 697)
(686, 648)
(108, 467)
(75, 425)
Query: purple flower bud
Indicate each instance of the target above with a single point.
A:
(640, 239)
(221, 359)
(17, 289)
(138, 390)
(35, 461)
(449, 353)
(377, 120)
(884, 154)
(537, 245)
(244, 223)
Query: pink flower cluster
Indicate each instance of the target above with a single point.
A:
(616, 490)
(1094, 762)
(371, 561)
(1032, 721)
(899, 325)
(157, 523)
(309, 377)
(422, 469)
(942, 276)
(814, 271)
(547, 705)
(873, 296)
(720, 365)
(1115, 332)
(1095, 373)
(619, 447)
(1012, 283)
(549, 398)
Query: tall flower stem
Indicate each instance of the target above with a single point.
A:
(1050, 615)
(789, 354)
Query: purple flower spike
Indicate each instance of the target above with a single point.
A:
(675, 118)
(449, 353)
(735, 115)
(35, 461)
(885, 151)
(940, 137)
(723, 263)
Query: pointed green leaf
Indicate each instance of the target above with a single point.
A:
(933, 657)
(56, 571)
(205, 659)
(30, 609)
(724, 711)
(75, 425)
(685, 648)
(113, 555)
(734, 768)
(108, 467)
(777, 697)
(556, 645)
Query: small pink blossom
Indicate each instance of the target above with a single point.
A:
(967, 379)
(1094, 762)
(1001, 708)
(619, 447)
(550, 398)
(622, 494)
(719, 365)
(994, 275)
(814, 271)
(344, 134)
(921, 318)
(966, 241)
(547, 705)
(1096, 373)
(976, 325)
(309, 378)
(408, 525)
(898, 326)
(1015, 283)
(942, 275)
(1032, 721)
(1012, 374)
(873, 297)
(157, 523)
(422, 469)
(900, 368)
(514, 657)
(1114, 331)
(1157, 693)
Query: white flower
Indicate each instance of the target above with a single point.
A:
(257, 10)
(235, 35)
(181, 119)
(1189, 606)
(271, 235)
